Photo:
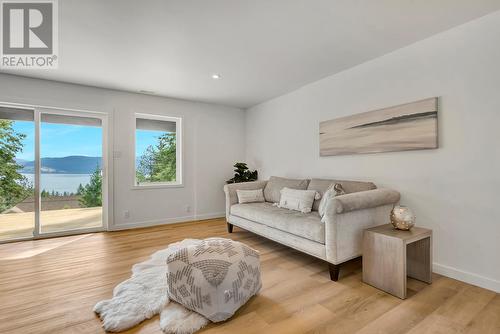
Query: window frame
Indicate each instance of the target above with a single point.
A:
(179, 163)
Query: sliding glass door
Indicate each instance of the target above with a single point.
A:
(71, 172)
(54, 181)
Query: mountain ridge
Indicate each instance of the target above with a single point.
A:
(73, 164)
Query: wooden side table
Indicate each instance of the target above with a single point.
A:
(390, 255)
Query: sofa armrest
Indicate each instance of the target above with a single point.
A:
(365, 200)
(232, 197)
(347, 216)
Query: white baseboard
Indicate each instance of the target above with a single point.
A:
(166, 221)
(467, 277)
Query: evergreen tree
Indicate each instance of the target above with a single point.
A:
(14, 187)
(158, 163)
(166, 158)
(92, 192)
(146, 167)
(80, 190)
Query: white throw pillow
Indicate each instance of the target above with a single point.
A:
(250, 196)
(332, 191)
(300, 200)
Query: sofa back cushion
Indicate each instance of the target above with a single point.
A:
(275, 184)
(322, 185)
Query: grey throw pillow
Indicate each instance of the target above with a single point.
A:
(334, 190)
(322, 185)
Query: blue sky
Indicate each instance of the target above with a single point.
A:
(144, 138)
(28, 129)
(61, 140)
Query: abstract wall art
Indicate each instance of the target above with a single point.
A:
(410, 126)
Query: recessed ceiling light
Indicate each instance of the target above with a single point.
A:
(216, 76)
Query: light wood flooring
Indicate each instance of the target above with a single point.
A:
(50, 286)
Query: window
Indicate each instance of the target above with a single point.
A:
(157, 151)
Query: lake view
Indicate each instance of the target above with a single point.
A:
(60, 182)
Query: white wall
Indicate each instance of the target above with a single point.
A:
(455, 190)
(213, 141)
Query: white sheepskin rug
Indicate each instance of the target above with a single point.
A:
(144, 295)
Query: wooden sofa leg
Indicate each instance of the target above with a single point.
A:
(334, 271)
(229, 228)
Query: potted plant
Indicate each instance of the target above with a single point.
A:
(242, 174)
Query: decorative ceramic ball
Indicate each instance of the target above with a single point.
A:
(402, 218)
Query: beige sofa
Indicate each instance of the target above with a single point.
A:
(336, 239)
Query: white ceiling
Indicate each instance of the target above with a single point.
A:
(261, 48)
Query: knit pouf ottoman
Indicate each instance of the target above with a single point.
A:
(213, 277)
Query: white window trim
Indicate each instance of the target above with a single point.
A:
(179, 183)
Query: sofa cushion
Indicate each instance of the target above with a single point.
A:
(321, 185)
(275, 184)
(306, 225)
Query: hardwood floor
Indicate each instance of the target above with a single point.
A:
(50, 286)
